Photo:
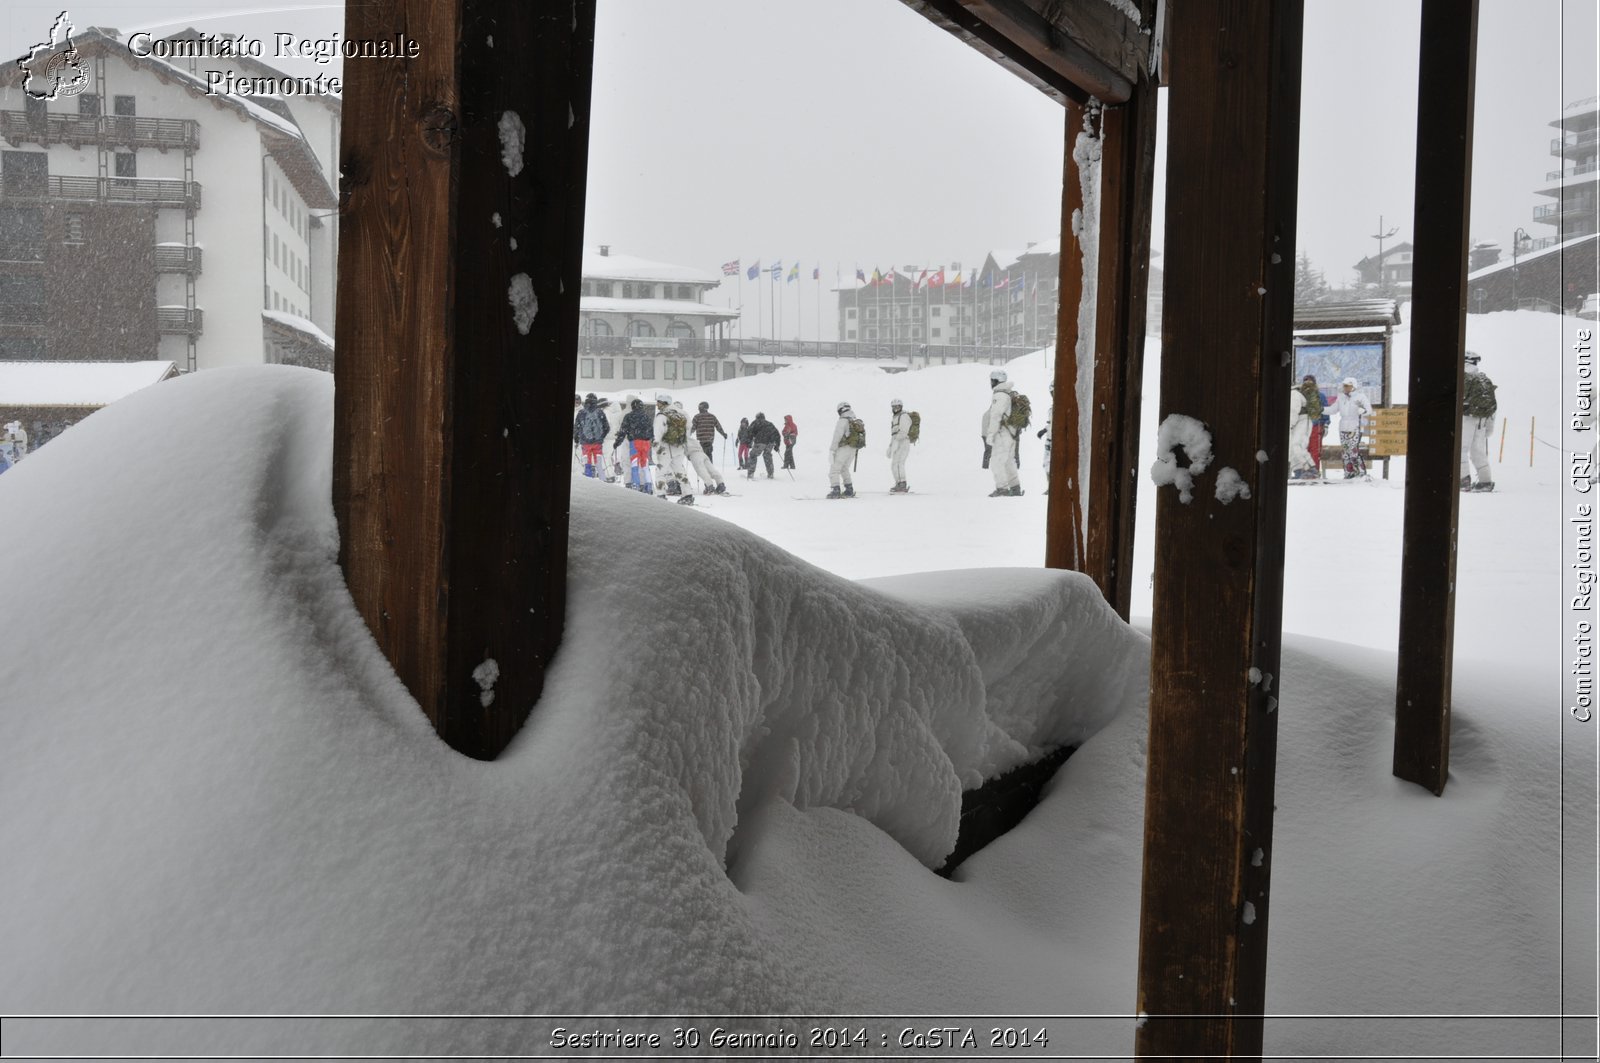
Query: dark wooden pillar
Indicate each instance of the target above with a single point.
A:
(1064, 516)
(1233, 153)
(1438, 339)
(455, 350)
(1127, 181)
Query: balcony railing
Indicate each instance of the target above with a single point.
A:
(122, 130)
(180, 320)
(177, 259)
(158, 193)
(1581, 139)
(1574, 171)
(1551, 211)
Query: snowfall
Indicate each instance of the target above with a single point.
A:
(218, 800)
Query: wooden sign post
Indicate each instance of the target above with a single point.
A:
(461, 226)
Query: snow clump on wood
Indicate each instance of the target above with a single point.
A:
(1179, 431)
(513, 134)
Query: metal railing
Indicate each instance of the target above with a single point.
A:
(754, 350)
(158, 193)
(1574, 171)
(178, 259)
(120, 129)
(1579, 139)
(178, 320)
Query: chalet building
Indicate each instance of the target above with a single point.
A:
(1554, 278)
(1574, 187)
(1391, 273)
(201, 222)
(647, 324)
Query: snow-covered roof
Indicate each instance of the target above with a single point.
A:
(671, 307)
(629, 268)
(1524, 259)
(90, 384)
(305, 328)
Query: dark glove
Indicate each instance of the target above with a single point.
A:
(1040, 433)
(987, 450)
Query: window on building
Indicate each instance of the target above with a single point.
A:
(600, 328)
(630, 369)
(850, 313)
(606, 367)
(728, 371)
(711, 371)
(89, 105)
(641, 328)
(21, 234)
(688, 369)
(587, 288)
(681, 330)
(685, 292)
(74, 229)
(647, 369)
(277, 252)
(21, 348)
(127, 164)
(25, 173)
(872, 333)
(124, 105)
(751, 370)
(627, 290)
(586, 368)
(850, 335)
(603, 289)
(936, 311)
(669, 370)
(872, 313)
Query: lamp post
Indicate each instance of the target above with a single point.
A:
(1519, 240)
(1381, 236)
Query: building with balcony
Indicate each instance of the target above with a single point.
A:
(645, 324)
(145, 218)
(1573, 188)
(1390, 272)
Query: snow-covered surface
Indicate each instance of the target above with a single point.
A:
(216, 798)
(300, 324)
(76, 383)
(632, 268)
(675, 307)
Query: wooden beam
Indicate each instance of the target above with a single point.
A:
(1064, 515)
(1227, 327)
(1070, 51)
(1438, 339)
(455, 351)
(1127, 182)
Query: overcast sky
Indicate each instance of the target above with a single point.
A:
(840, 133)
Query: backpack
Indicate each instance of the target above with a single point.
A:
(1021, 411)
(1478, 399)
(916, 427)
(677, 428)
(857, 435)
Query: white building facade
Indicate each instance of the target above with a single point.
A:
(645, 324)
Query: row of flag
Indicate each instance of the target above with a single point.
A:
(927, 278)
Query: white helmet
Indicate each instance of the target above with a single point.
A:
(997, 376)
(895, 402)
(662, 398)
(844, 407)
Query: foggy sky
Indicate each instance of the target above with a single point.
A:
(845, 133)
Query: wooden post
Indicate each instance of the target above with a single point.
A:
(1127, 181)
(1064, 515)
(1438, 339)
(1227, 325)
(455, 349)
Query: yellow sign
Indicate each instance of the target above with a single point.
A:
(1387, 435)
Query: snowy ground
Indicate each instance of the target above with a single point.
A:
(217, 799)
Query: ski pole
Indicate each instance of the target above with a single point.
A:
(1505, 423)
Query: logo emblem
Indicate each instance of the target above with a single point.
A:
(54, 68)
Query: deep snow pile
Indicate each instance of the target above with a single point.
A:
(215, 797)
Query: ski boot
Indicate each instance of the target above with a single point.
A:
(834, 492)
(1483, 487)
(999, 492)
(721, 489)
(1015, 492)
(1466, 483)
(899, 488)
(686, 500)
(849, 491)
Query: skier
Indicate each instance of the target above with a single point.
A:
(706, 427)
(763, 438)
(639, 432)
(14, 442)
(1317, 422)
(671, 430)
(849, 436)
(790, 433)
(742, 438)
(1000, 433)
(1478, 408)
(1045, 435)
(700, 460)
(899, 445)
(590, 432)
(1299, 437)
(1350, 406)
(615, 457)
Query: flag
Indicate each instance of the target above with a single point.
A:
(816, 272)
(956, 280)
(1003, 282)
(730, 269)
(860, 275)
(755, 270)
(877, 278)
(937, 280)
(888, 278)
(1021, 290)
(776, 269)
(794, 273)
(987, 281)
(916, 285)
